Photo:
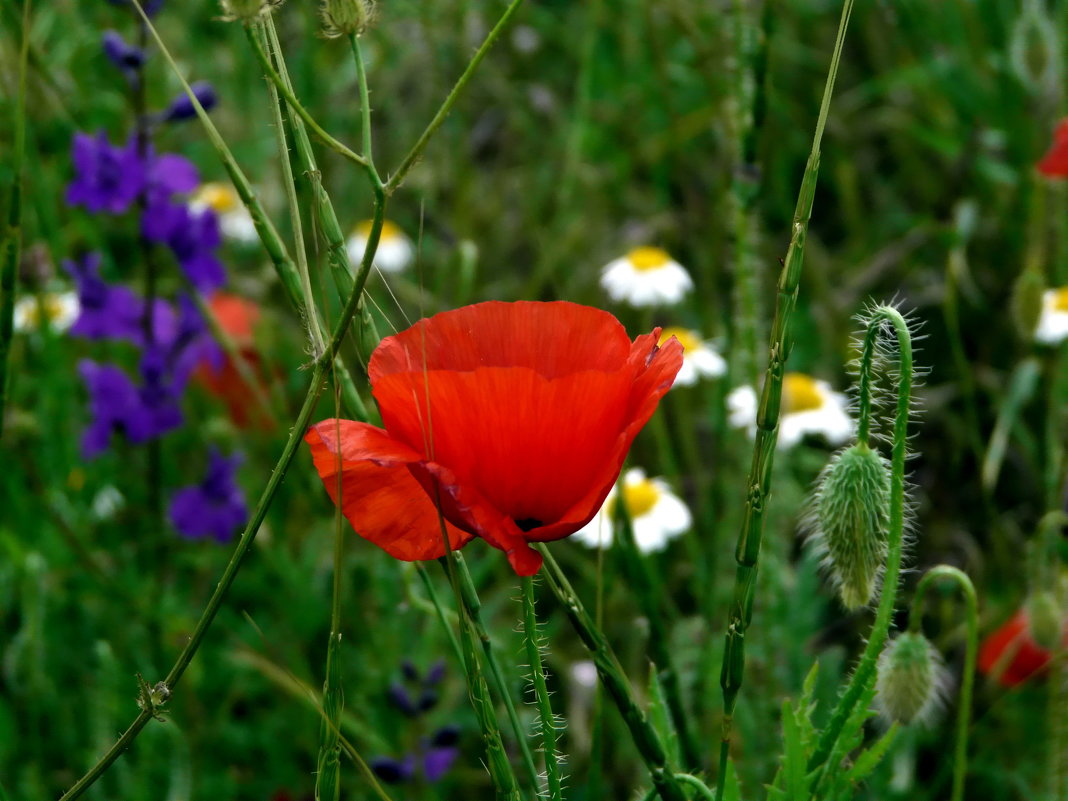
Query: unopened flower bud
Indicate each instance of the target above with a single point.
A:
(912, 680)
(1046, 621)
(346, 17)
(852, 520)
(181, 108)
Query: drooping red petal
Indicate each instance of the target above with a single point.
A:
(1010, 654)
(237, 316)
(1055, 163)
(380, 497)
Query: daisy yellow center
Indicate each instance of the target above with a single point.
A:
(689, 340)
(1060, 299)
(640, 497)
(389, 230)
(219, 197)
(644, 259)
(800, 393)
(51, 305)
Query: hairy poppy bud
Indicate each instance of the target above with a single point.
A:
(346, 17)
(1044, 614)
(851, 521)
(911, 679)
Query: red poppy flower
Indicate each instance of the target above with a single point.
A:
(238, 317)
(1010, 654)
(512, 418)
(1055, 163)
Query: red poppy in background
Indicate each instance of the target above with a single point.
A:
(513, 418)
(237, 317)
(1055, 163)
(1010, 654)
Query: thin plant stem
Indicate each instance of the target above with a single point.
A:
(865, 671)
(971, 651)
(11, 233)
(703, 791)
(645, 737)
(531, 640)
(428, 584)
(417, 149)
(747, 552)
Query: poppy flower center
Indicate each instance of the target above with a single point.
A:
(217, 197)
(800, 394)
(389, 230)
(1060, 299)
(645, 258)
(640, 497)
(688, 339)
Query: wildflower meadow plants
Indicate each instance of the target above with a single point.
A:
(369, 260)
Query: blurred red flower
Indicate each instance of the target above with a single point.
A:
(513, 418)
(237, 317)
(1010, 654)
(1055, 163)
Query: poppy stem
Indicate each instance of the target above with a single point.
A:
(747, 552)
(532, 641)
(864, 674)
(615, 681)
(11, 232)
(971, 651)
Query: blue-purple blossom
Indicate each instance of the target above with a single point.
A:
(193, 343)
(215, 507)
(108, 311)
(394, 771)
(193, 237)
(400, 698)
(181, 108)
(117, 405)
(437, 761)
(107, 178)
(126, 57)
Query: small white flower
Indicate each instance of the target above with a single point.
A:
(646, 277)
(699, 358)
(60, 309)
(394, 252)
(656, 513)
(1053, 321)
(809, 406)
(584, 674)
(234, 220)
(107, 503)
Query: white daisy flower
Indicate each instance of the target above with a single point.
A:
(395, 251)
(60, 309)
(656, 513)
(699, 358)
(809, 406)
(646, 277)
(1053, 321)
(234, 220)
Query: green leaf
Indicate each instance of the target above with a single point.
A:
(870, 759)
(660, 716)
(794, 755)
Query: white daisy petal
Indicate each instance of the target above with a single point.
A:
(59, 308)
(657, 514)
(1052, 326)
(809, 406)
(235, 222)
(395, 251)
(699, 358)
(646, 276)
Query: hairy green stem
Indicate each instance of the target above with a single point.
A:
(645, 738)
(541, 691)
(758, 486)
(865, 671)
(971, 651)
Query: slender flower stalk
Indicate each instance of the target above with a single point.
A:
(11, 232)
(964, 705)
(864, 675)
(647, 741)
(541, 691)
(758, 485)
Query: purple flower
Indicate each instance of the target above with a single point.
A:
(193, 236)
(394, 771)
(170, 173)
(181, 108)
(108, 178)
(215, 506)
(106, 311)
(117, 405)
(437, 761)
(400, 698)
(193, 343)
(126, 57)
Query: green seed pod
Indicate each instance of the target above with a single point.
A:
(1044, 615)
(346, 17)
(911, 682)
(851, 521)
(1026, 302)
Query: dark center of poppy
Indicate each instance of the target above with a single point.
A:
(528, 523)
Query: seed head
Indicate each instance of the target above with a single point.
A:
(346, 17)
(851, 521)
(912, 680)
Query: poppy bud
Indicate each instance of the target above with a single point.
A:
(346, 17)
(851, 521)
(1044, 614)
(911, 680)
(1026, 301)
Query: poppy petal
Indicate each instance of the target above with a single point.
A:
(1055, 163)
(1010, 654)
(380, 497)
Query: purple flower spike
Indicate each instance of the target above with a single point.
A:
(108, 178)
(107, 312)
(181, 108)
(436, 673)
(126, 57)
(192, 236)
(448, 735)
(193, 344)
(394, 771)
(170, 173)
(437, 761)
(428, 699)
(399, 697)
(214, 507)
